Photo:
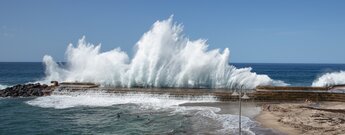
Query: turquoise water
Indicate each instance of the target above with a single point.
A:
(17, 117)
(100, 113)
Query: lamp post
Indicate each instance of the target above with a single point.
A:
(235, 94)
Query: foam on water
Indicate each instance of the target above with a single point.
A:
(163, 58)
(94, 99)
(329, 79)
(229, 122)
(3, 86)
(201, 116)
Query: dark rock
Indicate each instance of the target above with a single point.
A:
(26, 90)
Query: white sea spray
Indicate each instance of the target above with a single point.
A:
(163, 58)
(329, 79)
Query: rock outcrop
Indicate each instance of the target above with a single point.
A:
(27, 90)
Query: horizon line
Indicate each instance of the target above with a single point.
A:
(229, 62)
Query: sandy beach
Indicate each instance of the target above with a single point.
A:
(304, 118)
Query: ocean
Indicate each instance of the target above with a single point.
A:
(100, 113)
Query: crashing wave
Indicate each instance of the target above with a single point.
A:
(329, 79)
(163, 58)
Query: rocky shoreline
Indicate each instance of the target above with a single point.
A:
(27, 90)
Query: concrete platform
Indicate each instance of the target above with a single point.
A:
(262, 93)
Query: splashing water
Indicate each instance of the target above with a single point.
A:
(164, 58)
(329, 79)
(3, 87)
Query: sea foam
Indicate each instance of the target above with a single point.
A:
(3, 86)
(229, 123)
(202, 117)
(164, 58)
(330, 79)
(100, 98)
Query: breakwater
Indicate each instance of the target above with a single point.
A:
(261, 93)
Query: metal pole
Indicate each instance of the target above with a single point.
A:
(239, 116)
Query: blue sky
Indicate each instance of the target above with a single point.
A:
(269, 31)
